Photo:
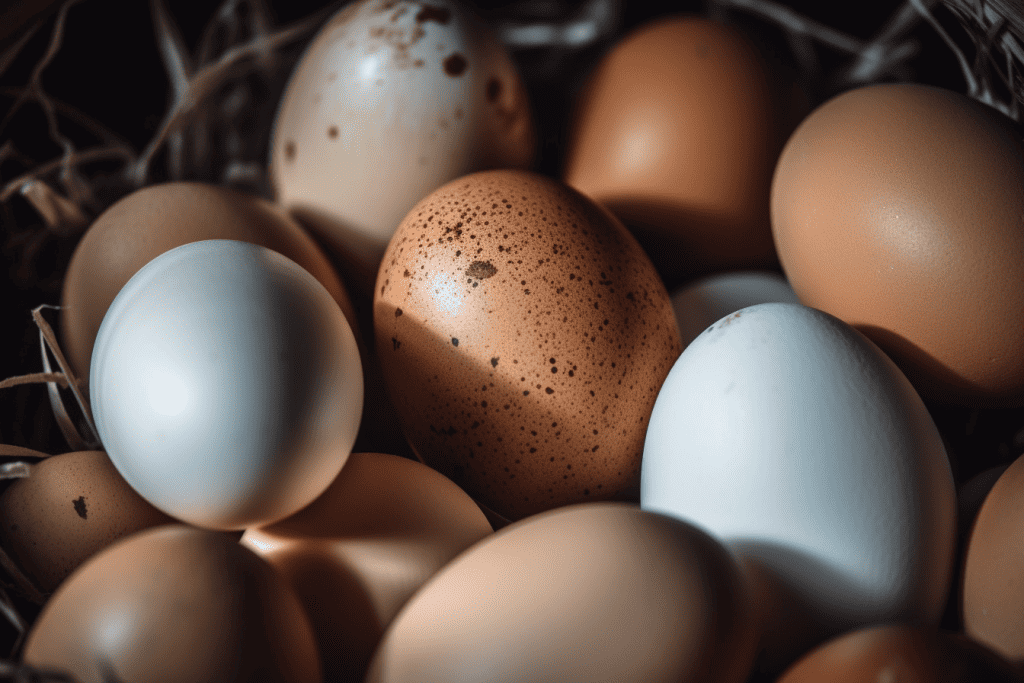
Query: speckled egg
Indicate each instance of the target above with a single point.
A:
(524, 336)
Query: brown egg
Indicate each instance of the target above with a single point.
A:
(175, 603)
(677, 132)
(70, 507)
(597, 592)
(360, 550)
(158, 218)
(897, 208)
(894, 653)
(993, 595)
(523, 335)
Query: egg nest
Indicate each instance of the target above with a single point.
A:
(91, 110)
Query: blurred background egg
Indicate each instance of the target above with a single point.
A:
(523, 335)
(362, 548)
(156, 219)
(677, 133)
(701, 303)
(69, 507)
(897, 208)
(899, 653)
(226, 384)
(390, 101)
(595, 593)
(790, 436)
(175, 604)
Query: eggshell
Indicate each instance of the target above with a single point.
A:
(392, 99)
(993, 598)
(69, 507)
(707, 300)
(360, 550)
(897, 208)
(156, 219)
(792, 437)
(677, 132)
(173, 604)
(898, 653)
(226, 384)
(596, 592)
(523, 335)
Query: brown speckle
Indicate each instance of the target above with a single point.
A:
(332, 132)
(454, 64)
(455, 342)
(398, 312)
(494, 362)
(395, 344)
(80, 506)
(289, 150)
(481, 270)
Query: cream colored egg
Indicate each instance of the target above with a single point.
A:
(391, 100)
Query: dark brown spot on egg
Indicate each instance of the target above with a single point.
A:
(494, 362)
(481, 270)
(332, 132)
(454, 65)
(289, 150)
(398, 312)
(79, 504)
(455, 342)
(493, 90)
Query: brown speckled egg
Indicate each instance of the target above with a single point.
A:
(70, 507)
(524, 336)
(146, 223)
(899, 653)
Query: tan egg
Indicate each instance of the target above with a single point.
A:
(360, 550)
(156, 219)
(897, 208)
(993, 596)
(70, 507)
(175, 604)
(896, 653)
(677, 132)
(523, 335)
(597, 592)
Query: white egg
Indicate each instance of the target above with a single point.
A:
(391, 100)
(788, 434)
(226, 384)
(711, 298)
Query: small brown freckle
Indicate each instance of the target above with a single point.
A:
(549, 390)
(494, 362)
(455, 342)
(526, 393)
(332, 132)
(398, 312)
(289, 150)
(454, 65)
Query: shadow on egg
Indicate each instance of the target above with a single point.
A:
(685, 242)
(933, 380)
(328, 589)
(498, 433)
(358, 255)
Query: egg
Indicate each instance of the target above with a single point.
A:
(148, 222)
(69, 507)
(595, 592)
(677, 132)
(226, 384)
(898, 653)
(391, 100)
(363, 547)
(992, 597)
(707, 300)
(175, 604)
(523, 334)
(789, 435)
(897, 208)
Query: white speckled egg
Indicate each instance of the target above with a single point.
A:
(788, 434)
(391, 100)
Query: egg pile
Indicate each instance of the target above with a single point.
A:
(671, 415)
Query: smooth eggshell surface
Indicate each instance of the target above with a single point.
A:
(227, 386)
(897, 208)
(993, 597)
(360, 550)
(175, 604)
(595, 593)
(677, 132)
(523, 335)
(704, 302)
(391, 100)
(156, 219)
(69, 507)
(789, 435)
(898, 653)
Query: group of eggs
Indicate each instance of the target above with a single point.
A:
(792, 486)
